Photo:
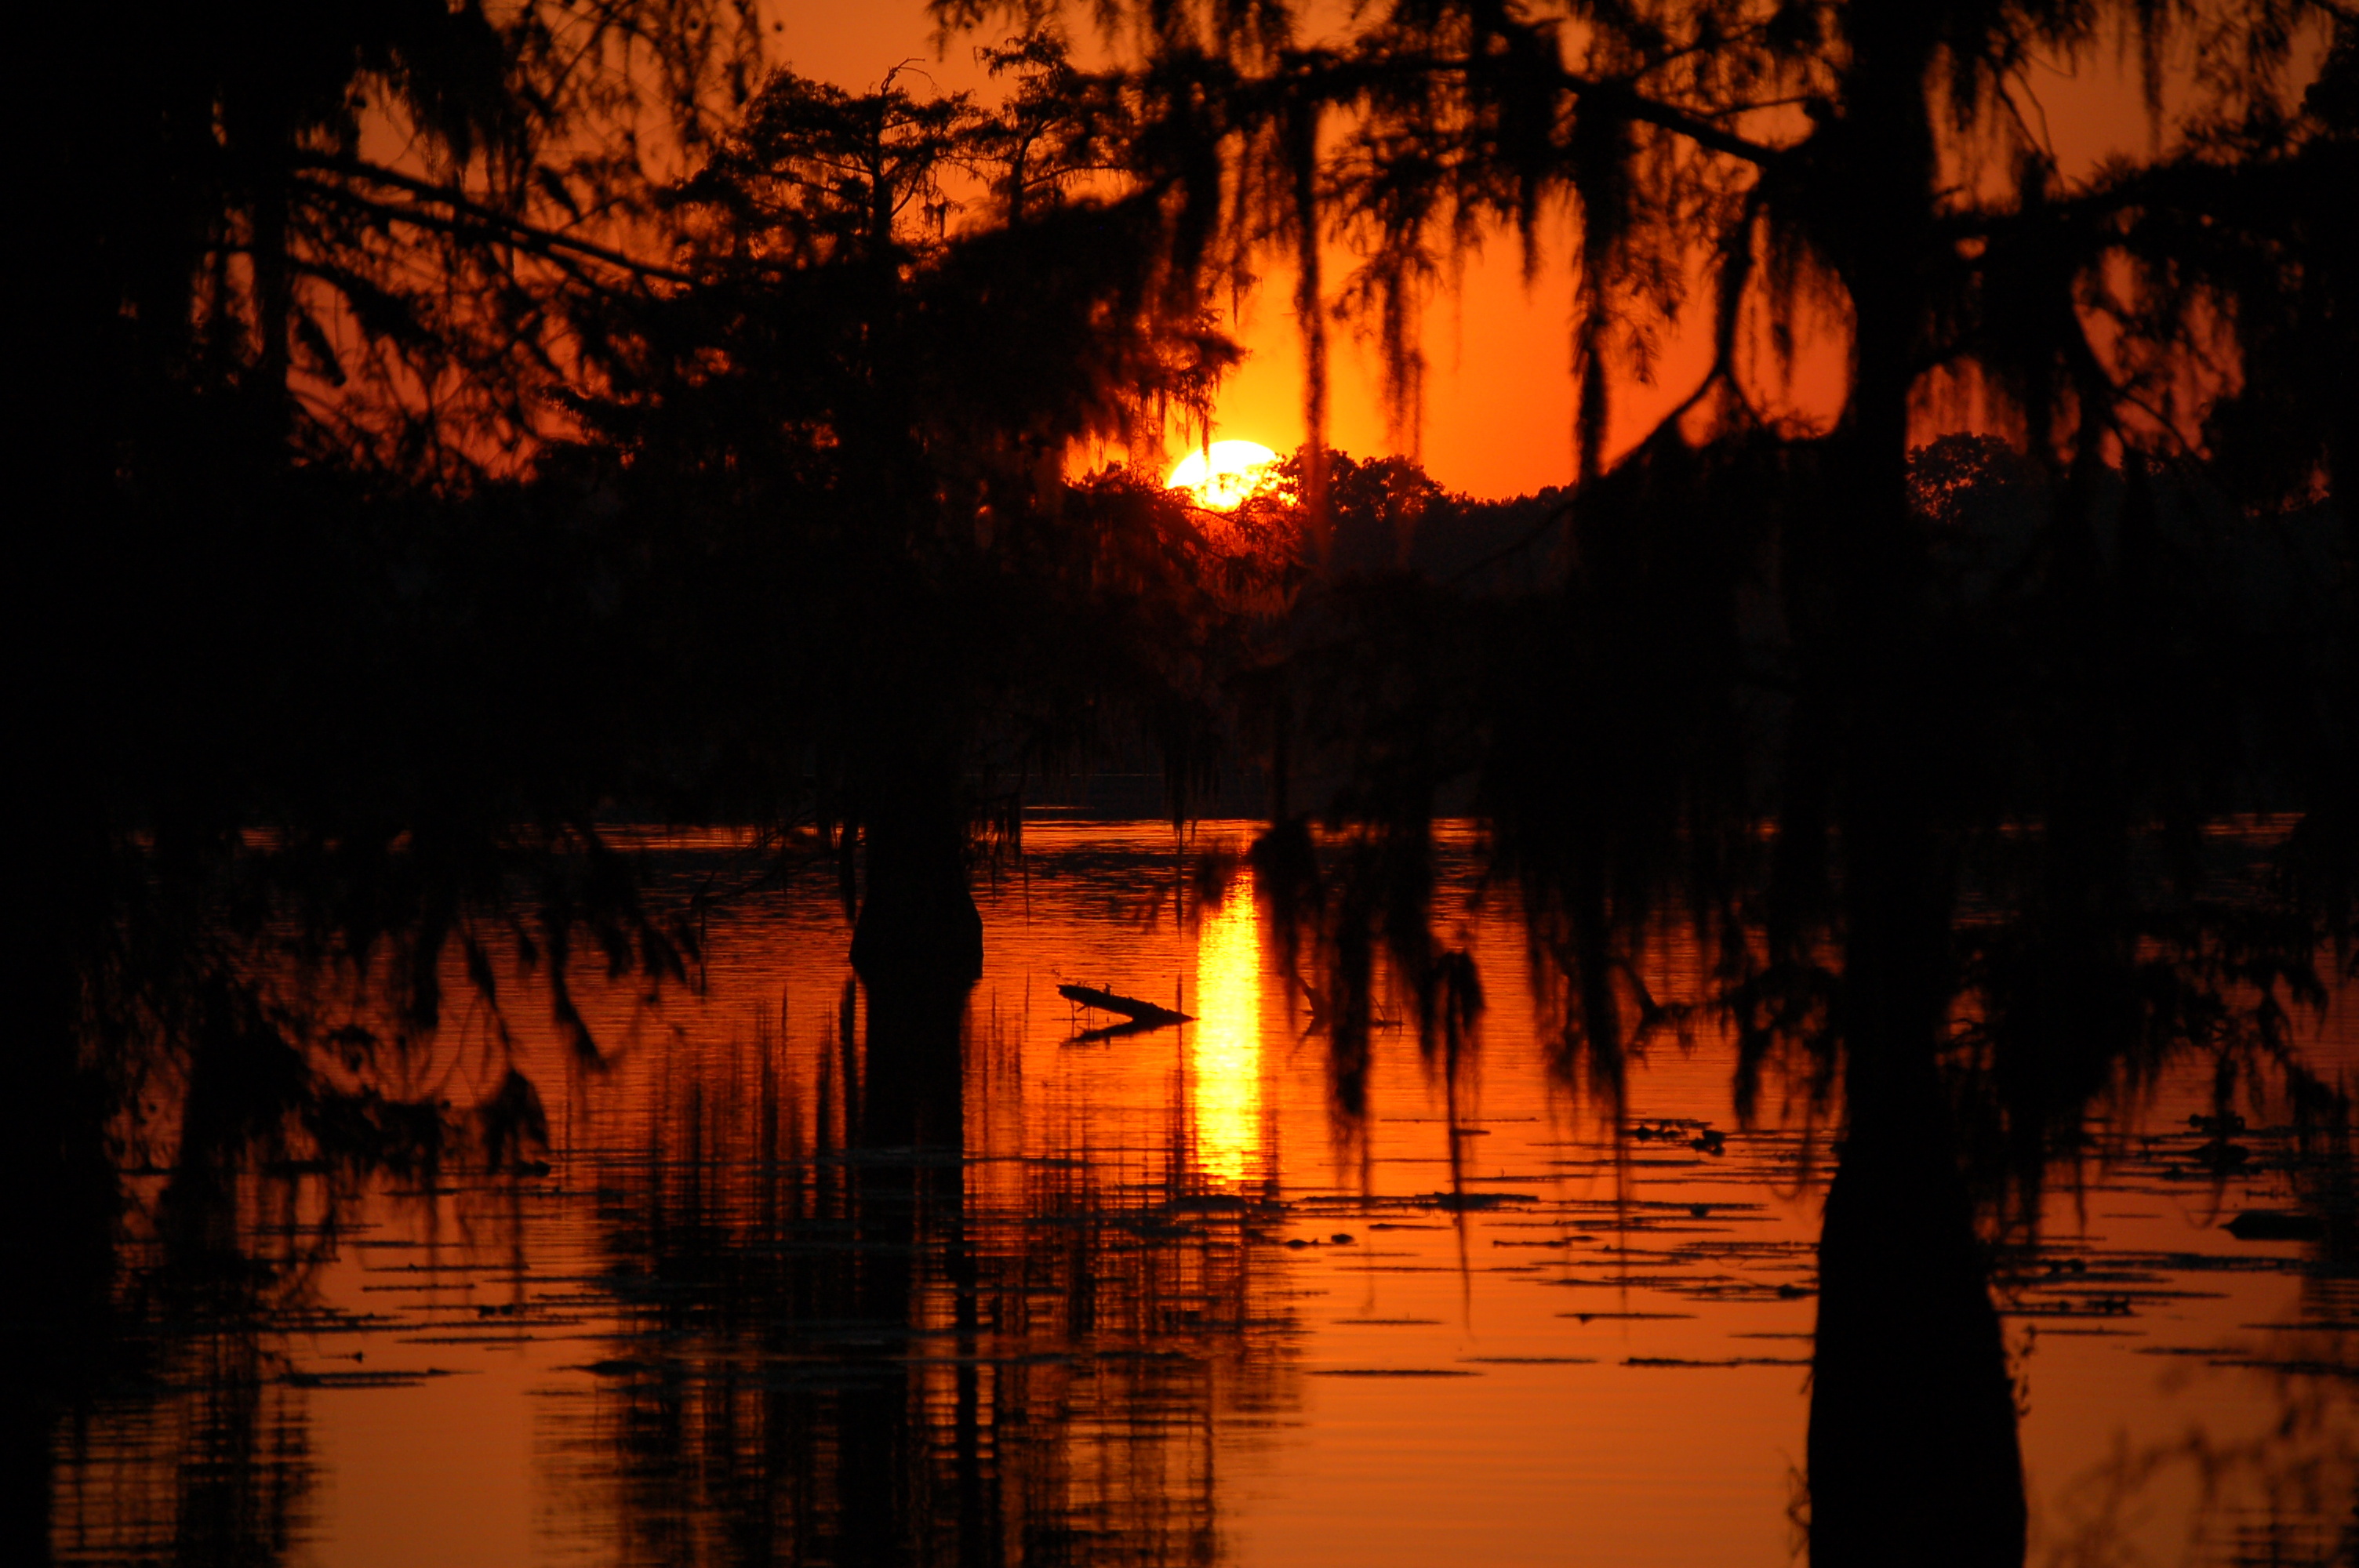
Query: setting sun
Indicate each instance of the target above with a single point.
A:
(1224, 474)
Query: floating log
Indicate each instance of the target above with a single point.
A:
(2266, 1225)
(1129, 1007)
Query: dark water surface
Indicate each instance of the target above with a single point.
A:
(813, 1277)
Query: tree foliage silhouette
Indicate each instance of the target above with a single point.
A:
(1870, 168)
(902, 314)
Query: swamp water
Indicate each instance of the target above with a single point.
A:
(814, 1277)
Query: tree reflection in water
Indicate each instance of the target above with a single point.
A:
(850, 1305)
(877, 1343)
(203, 1457)
(843, 1328)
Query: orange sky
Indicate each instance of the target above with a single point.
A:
(1499, 397)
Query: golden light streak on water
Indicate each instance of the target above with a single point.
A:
(1225, 1048)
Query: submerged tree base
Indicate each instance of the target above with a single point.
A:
(1913, 1450)
(919, 925)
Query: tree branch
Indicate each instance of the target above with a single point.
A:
(479, 219)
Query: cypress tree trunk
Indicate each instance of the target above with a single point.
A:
(918, 921)
(1913, 1453)
(58, 1196)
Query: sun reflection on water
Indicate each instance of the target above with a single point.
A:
(1224, 1052)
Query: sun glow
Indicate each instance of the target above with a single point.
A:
(1224, 474)
(1224, 1055)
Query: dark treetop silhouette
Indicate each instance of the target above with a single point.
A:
(269, 356)
(1869, 155)
(412, 516)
